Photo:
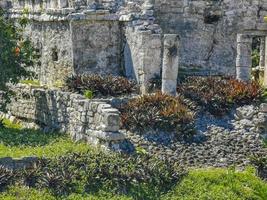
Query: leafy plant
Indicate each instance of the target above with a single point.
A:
(100, 85)
(30, 82)
(6, 177)
(16, 54)
(219, 94)
(157, 112)
(88, 94)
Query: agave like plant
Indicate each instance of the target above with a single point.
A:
(6, 177)
(101, 85)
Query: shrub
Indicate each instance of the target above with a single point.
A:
(156, 111)
(219, 94)
(16, 54)
(101, 85)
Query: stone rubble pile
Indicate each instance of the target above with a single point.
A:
(219, 142)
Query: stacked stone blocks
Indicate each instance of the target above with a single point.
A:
(94, 121)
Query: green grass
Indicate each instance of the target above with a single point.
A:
(202, 184)
(220, 184)
(24, 193)
(18, 142)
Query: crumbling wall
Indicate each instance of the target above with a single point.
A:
(96, 47)
(94, 121)
(53, 42)
(208, 30)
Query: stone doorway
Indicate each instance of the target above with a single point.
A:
(244, 55)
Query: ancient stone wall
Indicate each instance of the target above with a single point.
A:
(53, 42)
(208, 30)
(94, 121)
(96, 47)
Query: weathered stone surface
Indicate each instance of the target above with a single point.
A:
(170, 64)
(83, 119)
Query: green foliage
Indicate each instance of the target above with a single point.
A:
(200, 184)
(18, 142)
(156, 111)
(260, 162)
(255, 58)
(16, 53)
(6, 177)
(100, 85)
(30, 82)
(219, 94)
(88, 94)
(140, 177)
(219, 184)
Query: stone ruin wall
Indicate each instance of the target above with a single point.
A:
(208, 30)
(130, 34)
(94, 121)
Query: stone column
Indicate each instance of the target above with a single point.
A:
(62, 3)
(265, 65)
(262, 53)
(170, 63)
(243, 59)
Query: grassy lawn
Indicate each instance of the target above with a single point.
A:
(18, 142)
(200, 184)
(203, 184)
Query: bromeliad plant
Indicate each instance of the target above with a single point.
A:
(101, 85)
(219, 94)
(157, 112)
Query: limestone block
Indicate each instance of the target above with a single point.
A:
(243, 73)
(170, 63)
(263, 107)
(62, 3)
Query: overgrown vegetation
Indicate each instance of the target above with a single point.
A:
(219, 184)
(16, 53)
(139, 176)
(157, 111)
(218, 95)
(101, 85)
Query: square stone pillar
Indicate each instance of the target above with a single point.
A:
(243, 59)
(265, 65)
(170, 63)
(262, 53)
(62, 3)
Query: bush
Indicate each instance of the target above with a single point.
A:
(16, 54)
(156, 111)
(100, 85)
(219, 94)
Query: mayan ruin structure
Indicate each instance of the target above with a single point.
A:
(128, 37)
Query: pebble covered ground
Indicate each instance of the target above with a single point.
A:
(220, 142)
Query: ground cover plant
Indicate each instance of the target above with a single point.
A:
(219, 184)
(218, 95)
(101, 85)
(157, 111)
(18, 142)
(138, 176)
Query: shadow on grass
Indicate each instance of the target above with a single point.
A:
(26, 137)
